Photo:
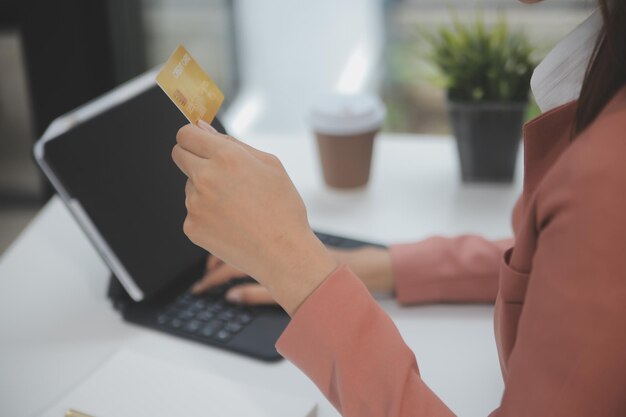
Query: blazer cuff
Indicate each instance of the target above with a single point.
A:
(315, 331)
(414, 265)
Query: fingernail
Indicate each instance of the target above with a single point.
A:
(205, 126)
(195, 288)
(234, 296)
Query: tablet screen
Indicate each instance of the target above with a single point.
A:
(118, 165)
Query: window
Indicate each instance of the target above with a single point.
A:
(206, 29)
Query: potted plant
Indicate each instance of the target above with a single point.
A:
(486, 71)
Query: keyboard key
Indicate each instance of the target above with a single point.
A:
(162, 319)
(223, 336)
(211, 328)
(244, 318)
(173, 310)
(205, 316)
(226, 315)
(193, 326)
(233, 327)
(193, 309)
(183, 303)
(186, 315)
(187, 297)
(176, 323)
(215, 307)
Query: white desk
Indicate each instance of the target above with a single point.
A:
(56, 324)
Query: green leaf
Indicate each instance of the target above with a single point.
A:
(478, 62)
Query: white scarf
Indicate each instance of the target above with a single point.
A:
(559, 77)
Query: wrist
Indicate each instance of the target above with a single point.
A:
(372, 264)
(307, 264)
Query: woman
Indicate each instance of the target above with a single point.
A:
(560, 292)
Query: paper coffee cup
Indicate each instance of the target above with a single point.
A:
(345, 127)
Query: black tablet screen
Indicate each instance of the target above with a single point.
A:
(119, 166)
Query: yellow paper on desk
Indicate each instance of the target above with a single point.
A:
(189, 87)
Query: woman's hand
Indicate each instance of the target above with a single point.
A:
(219, 272)
(371, 264)
(243, 208)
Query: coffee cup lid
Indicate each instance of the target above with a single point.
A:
(347, 114)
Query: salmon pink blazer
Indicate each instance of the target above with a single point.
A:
(559, 288)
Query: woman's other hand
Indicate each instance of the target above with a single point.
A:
(243, 208)
(219, 272)
(371, 264)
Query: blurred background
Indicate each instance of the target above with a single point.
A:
(270, 57)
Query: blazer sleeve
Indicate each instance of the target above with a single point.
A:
(439, 269)
(570, 350)
(353, 352)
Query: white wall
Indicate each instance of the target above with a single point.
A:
(292, 50)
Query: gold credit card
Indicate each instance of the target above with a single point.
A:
(189, 87)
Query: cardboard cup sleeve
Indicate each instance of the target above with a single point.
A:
(345, 127)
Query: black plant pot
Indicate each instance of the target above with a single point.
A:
(488, 136)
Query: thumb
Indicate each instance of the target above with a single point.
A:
(205, 126)
(215, 277)
(251, 294)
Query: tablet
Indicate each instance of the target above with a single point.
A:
(110, 161)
